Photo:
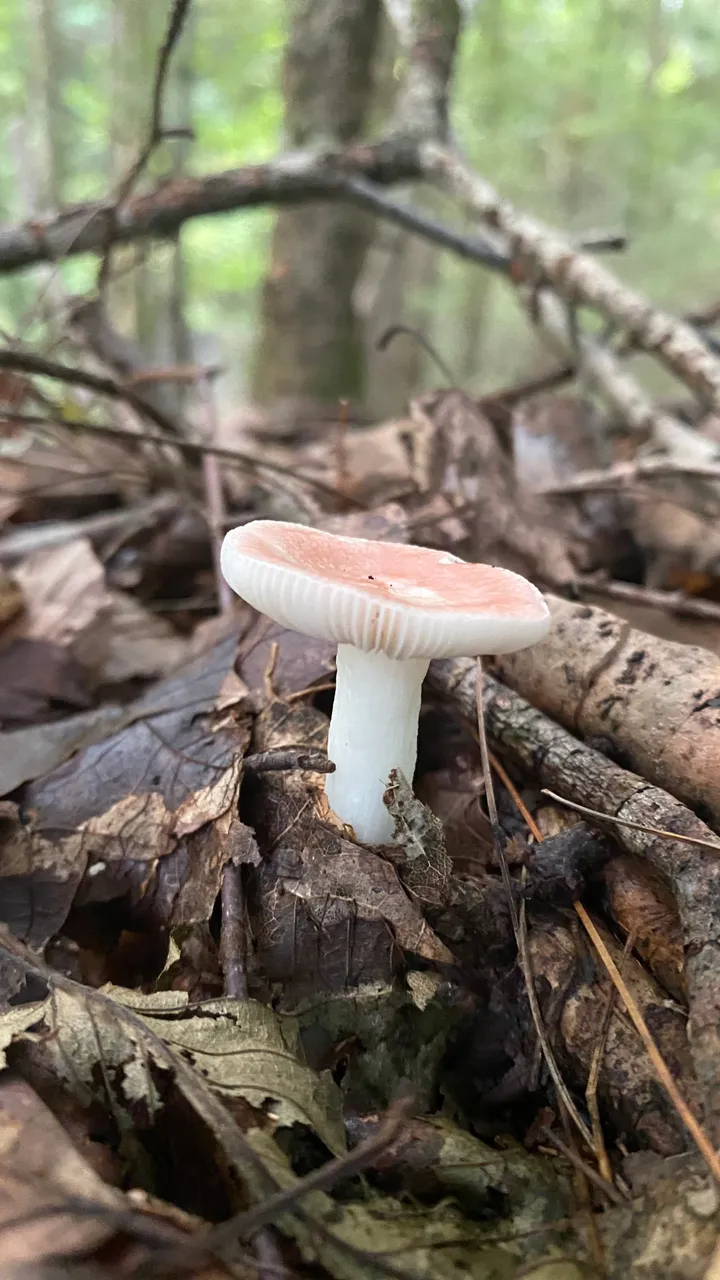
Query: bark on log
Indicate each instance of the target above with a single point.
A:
(560, 761)
(656, 702)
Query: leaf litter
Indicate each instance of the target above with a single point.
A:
(378, 1102)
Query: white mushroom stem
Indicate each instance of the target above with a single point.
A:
(374, 729)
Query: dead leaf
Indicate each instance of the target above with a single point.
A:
(38, 881)
(331, 915)
(40, 1170)
(419, 843)
(357, 878)
(470, 464)
(245, 1050)
(140, 643)
(386, 523)
(454, 794)
(140, 806)
(642, 904)
(11, 599)
(66, 601)
(26, 754)
(38, 681)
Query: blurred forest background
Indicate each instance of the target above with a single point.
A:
(597, 115)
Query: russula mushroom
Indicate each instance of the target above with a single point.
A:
(391, 608)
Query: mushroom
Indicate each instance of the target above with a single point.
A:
(391, 608)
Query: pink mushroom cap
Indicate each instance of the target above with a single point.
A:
(404, 601)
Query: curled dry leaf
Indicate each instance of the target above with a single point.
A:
(419, 843)
(141, 808)
(469, 462)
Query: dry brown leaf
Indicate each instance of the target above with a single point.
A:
(418, 843)
(39, 681)
(39, 1170)
(38, 881)
(66, 601)
(358, 878)
(140, 643)
(469, 463)
(26, 754)
(140, 807)
(11, 599)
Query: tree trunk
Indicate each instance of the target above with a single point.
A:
(311, 347)
(50, 72)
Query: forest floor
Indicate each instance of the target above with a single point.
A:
(236, 1041)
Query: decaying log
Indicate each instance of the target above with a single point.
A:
(655, 702)
(560, 761)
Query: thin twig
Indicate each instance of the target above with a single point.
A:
(498, 837)
(287, 1199)
(672, 602)
(606, 1187)
(285, 759)
(395, 330)
(713, 846)
(253, 463)
(156, 134)
(232, 933)
(28, 362)
(662, 1071)
(214, 493)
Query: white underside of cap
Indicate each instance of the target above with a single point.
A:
(328, 611)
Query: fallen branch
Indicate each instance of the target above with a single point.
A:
(27, 362)
(293, 178)
(156, 132)
(543, 257)
(653, 701)
(672, 602)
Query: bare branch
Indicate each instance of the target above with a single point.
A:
(291, 178)
(578, 278)
(26, 362)
(618, 387)
(253, 464)
(156, 132)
